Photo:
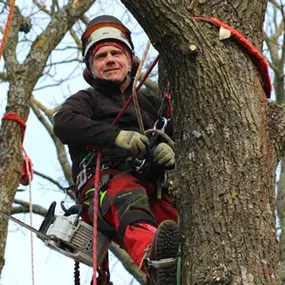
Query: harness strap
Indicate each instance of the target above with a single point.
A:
(18, 119)
(165, 103)
(255, 54)
(27, 166)
(162, 263)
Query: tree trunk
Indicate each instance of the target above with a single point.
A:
(227, 136)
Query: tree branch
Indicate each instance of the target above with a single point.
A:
(49, 179)
(3, 76)
(24, 208)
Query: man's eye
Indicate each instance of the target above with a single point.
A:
(99, 56)
(117, 53)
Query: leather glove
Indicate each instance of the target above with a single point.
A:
(164, 154)
(132, 141)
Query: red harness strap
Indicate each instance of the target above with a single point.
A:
(27, 163)
(167, 99)
(255, 54)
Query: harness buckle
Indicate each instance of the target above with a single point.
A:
(82, 177)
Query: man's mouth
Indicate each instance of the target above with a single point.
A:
(113, 69)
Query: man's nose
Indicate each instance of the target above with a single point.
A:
(110, 58)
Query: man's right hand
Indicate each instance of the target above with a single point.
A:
(132, 141)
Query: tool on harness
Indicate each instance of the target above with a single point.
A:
(73, 237)
(82, 176)
(68, 235)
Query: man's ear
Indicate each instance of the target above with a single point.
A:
(88, 77)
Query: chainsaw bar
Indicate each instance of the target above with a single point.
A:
(22, 224)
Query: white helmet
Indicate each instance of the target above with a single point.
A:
(104, 28)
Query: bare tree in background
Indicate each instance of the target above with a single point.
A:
(22, 76)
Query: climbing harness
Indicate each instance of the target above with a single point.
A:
(84, 177)
(259, 60)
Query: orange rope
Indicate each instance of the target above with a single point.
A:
(7, 26)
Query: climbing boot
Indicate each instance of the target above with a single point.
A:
(161, 261)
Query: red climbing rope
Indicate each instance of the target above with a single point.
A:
(255, 54)
(7, 26)
(95, 218)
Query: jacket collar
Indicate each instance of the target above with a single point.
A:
(110, 88)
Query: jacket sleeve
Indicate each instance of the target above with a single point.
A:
(73, 123)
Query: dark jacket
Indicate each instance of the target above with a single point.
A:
(85, 119)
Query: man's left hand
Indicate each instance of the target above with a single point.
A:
(164, 154)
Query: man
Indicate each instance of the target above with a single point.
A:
(130, 212)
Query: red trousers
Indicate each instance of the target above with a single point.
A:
(128, 195)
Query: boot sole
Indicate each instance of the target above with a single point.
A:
(167, 246)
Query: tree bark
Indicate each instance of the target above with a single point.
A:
(228, 140)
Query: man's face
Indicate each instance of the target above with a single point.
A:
(110, 63)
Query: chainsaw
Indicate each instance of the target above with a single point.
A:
(68, 234)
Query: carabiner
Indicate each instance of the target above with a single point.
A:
(139, 164)
(164, 120)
